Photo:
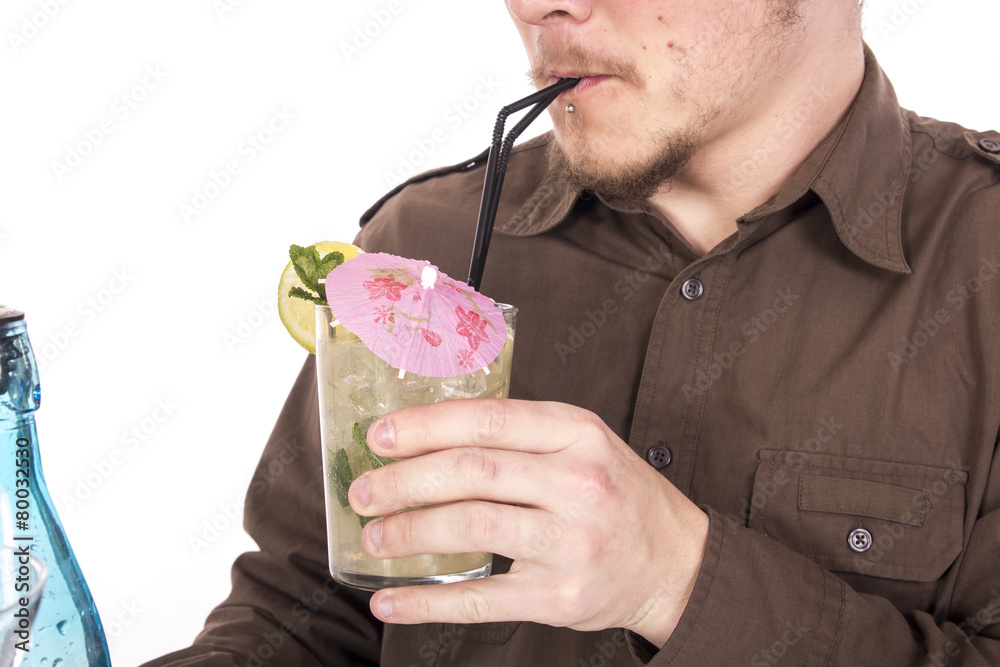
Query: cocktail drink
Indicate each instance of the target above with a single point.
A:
(356, 387)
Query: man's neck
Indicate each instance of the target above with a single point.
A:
(741, 169)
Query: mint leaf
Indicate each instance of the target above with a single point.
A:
(328, 263)
(308, 296)
(341, 476)
(306, 263)
(373, 458)
(311, 269)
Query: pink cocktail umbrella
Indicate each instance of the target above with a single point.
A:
(414, 317)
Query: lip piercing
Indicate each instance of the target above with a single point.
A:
(570, 108)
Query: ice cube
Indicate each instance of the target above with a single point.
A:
(411, 390)
(472, 385)
(363, 402)
(353, 370)
(495, 385)
(336, 410)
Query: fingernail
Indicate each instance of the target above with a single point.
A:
(382, 434)
(385, 607)
(375, 534)
(362, 491)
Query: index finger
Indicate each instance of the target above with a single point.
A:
(527, 426)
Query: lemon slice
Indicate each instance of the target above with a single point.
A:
(298, 315)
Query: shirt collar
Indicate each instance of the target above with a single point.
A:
(859, 172)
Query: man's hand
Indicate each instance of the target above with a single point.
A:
(598, 538)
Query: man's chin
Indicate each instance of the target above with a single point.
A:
(616, 177)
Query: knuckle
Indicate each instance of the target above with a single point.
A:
(398, 529)
(596, 483)
(567, 600)
(492, 419)
(482, 524)
(478, 466)
(592, 425)
(475, 605)
(422, 609)
(387, 483)
(590, 546)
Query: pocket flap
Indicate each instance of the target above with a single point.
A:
(483, 633)
(875, 500)
(911, 516)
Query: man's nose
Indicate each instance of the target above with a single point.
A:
(550, 12)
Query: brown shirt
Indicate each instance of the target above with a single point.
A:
(825, 384)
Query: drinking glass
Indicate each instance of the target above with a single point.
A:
(356, 387)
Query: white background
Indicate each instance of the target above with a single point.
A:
(133, 305)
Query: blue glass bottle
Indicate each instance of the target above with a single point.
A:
(67, 630)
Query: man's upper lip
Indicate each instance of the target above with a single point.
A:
(574, 75)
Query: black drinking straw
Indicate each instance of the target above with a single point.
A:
(496, 167)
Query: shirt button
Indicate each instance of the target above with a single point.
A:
(860, 540)
(692, 289)
(989, 145)
(659, 457)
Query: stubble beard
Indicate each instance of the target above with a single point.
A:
(633, 179)
(670, 151)
(606, 172)
(593, 164)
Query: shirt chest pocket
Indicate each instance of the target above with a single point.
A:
(873, 518)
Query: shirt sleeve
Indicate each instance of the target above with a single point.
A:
(284, 607)
(756, 601)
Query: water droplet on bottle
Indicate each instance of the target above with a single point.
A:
(61, 627)
(45, 661)
(57, 662)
